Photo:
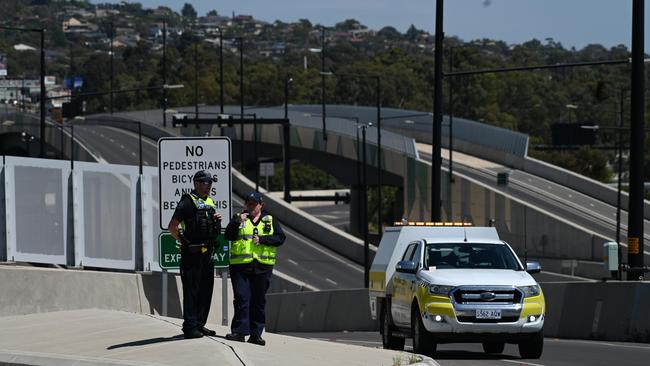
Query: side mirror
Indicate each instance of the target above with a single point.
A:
(533, 267)
(406, 267)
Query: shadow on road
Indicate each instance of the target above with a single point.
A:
(467, 355)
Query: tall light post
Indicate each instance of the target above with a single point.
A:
(436, 146)
(322, 75)
(42, 81)
(196, 79)
(164, 73)
(241, 99)
(286, 133)
(637, 140)
(364, 207)
(111, 66)
(220, 70)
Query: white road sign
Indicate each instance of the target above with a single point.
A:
(178, 160)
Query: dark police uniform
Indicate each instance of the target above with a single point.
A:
(199, 232)
(251, 267)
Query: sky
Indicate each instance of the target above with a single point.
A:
(574, 23)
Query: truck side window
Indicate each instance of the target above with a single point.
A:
(408, 253)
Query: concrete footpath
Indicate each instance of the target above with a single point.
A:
(106, 337)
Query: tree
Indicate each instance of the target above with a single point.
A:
(213, 13)
(188, 12)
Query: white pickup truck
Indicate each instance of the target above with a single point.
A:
(447, 283)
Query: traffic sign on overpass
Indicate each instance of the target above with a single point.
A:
(170, 253)
(180, 158)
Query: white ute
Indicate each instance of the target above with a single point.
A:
(451, 282)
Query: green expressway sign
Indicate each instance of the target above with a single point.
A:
(170, 254)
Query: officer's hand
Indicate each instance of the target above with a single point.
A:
(243, 216)
(217, 216)
(256, 239)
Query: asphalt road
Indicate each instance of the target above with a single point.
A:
(300, 259)
(564, 202)
(557, 352)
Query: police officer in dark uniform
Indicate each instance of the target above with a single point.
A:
(254, 236)
(195, 225)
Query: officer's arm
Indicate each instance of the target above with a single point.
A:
(173, 228)
(277, 238)
(232, 230)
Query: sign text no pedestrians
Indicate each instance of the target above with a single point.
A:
(180, 158)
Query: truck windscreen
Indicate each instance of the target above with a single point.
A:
(470, 255)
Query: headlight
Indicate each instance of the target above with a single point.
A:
(439, 290)
(530, 291)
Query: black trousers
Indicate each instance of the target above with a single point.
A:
(197, 275)
(249, 285)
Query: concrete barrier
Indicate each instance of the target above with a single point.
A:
(326, 311)
(28, 290)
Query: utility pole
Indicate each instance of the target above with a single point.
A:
(241, 99)
(379, 193)
(436, 146)
(637, 137)
(43, 96)
(164, 73)
(322, 76)
(111, 66)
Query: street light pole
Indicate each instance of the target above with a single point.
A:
(220, 69)
(436, 146)
(451, 136)
(286, 134)
(111, 66)
(196, 80)
(637, 137)
(618, 185)
(379, 192)
(164, 73)
(322, 75)
(241, 99)
(366, 244)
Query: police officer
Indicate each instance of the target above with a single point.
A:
(254, 236)
(195, 225)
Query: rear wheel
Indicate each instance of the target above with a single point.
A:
(533, 347)
(493, 347)
(387, 338)
(423, 342)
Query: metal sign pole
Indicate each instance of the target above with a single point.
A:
(164, 292)
(224, 296)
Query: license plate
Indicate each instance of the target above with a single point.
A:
(488, 314)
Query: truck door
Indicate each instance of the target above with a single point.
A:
(403, 288)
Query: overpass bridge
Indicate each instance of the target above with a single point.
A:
(523, 222)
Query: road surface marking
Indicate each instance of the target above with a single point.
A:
(600, 343)
(522, 362)
(330, 281)
(294, 280)
(292, 262)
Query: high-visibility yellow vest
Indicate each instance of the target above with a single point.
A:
(243, 250)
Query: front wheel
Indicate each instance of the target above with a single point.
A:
(423, 342)
(533, 347)
(388, 340)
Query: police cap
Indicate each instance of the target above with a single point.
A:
(204, 176)
(255, 196)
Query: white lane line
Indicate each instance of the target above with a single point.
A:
(133, 153)
(569, 276)
(292, 262)
(111, 140)
(122, 146)
(522, 362)
(330, 281)
(294, 280)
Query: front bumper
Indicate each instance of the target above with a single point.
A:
(456, 319)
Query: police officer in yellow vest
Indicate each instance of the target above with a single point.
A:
(196, 225)
(255, 236)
